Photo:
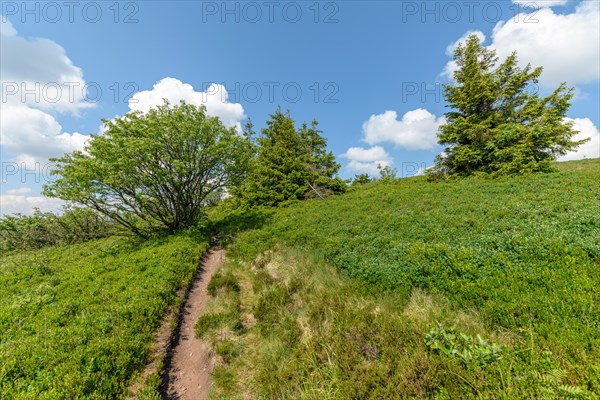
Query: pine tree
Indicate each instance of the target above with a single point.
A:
(361, 179)
(497, 126)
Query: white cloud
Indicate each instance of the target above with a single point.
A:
(590, 149)
(19, 191)
(415, 131)
(19, 203)
(6, 28)
(366, 160)
(35, 135)
(27, 130)
(540, 3)
(375, 153)
(566, 45)
(37, 72)
(215, 98)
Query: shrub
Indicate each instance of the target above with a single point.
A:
(75, 225)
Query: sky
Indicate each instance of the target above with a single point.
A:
(370, 72)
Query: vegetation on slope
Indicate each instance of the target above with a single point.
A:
(469, 288)
(77, 321)
(75, 225)
(402, 288)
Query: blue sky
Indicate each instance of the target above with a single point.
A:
(369, 71)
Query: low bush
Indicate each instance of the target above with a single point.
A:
(74, 225)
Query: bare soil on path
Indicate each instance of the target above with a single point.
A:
(191, 361)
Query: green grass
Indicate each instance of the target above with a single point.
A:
(78, 321)
(350, 303)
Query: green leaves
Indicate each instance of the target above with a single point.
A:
(511, 263)
(22, 232)
(154, 171)
(497, 126)
(455, 344)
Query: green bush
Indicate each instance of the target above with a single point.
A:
(210, 322)
(74, 225)
(227, 350)
(452, 343)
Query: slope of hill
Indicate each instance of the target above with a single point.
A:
(412, 289)
(469, 288)
(78, 321)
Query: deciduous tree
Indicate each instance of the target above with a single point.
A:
(156, 170)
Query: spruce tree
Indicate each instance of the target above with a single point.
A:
(320, 163)
(497, 126)
(290, 164)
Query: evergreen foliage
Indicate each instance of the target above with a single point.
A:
(290, 164)
(497, 126)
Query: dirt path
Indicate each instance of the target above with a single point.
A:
(192, 359)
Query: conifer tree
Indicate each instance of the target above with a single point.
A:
(497, 126)
(290, 164)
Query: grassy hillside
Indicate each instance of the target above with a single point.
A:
(77, 321)
(470, 288)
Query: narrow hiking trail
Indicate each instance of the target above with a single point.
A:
(192, 359)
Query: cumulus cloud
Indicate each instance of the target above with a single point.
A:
(540, 3)
(37, 72)
(19, 191)
(590, 149)
(366, 160)
(415, 131)
(6, 28)
(35, 135)
(566, 45)
(18, 201)
(37, 78)
(215, 98)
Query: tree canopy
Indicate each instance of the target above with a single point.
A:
(156, 170)
(498, 125)
(290, 164)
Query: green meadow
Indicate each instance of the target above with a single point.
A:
(407, 288)
(78, 321)
(471, 288)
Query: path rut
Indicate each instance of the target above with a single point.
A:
(192, 360)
